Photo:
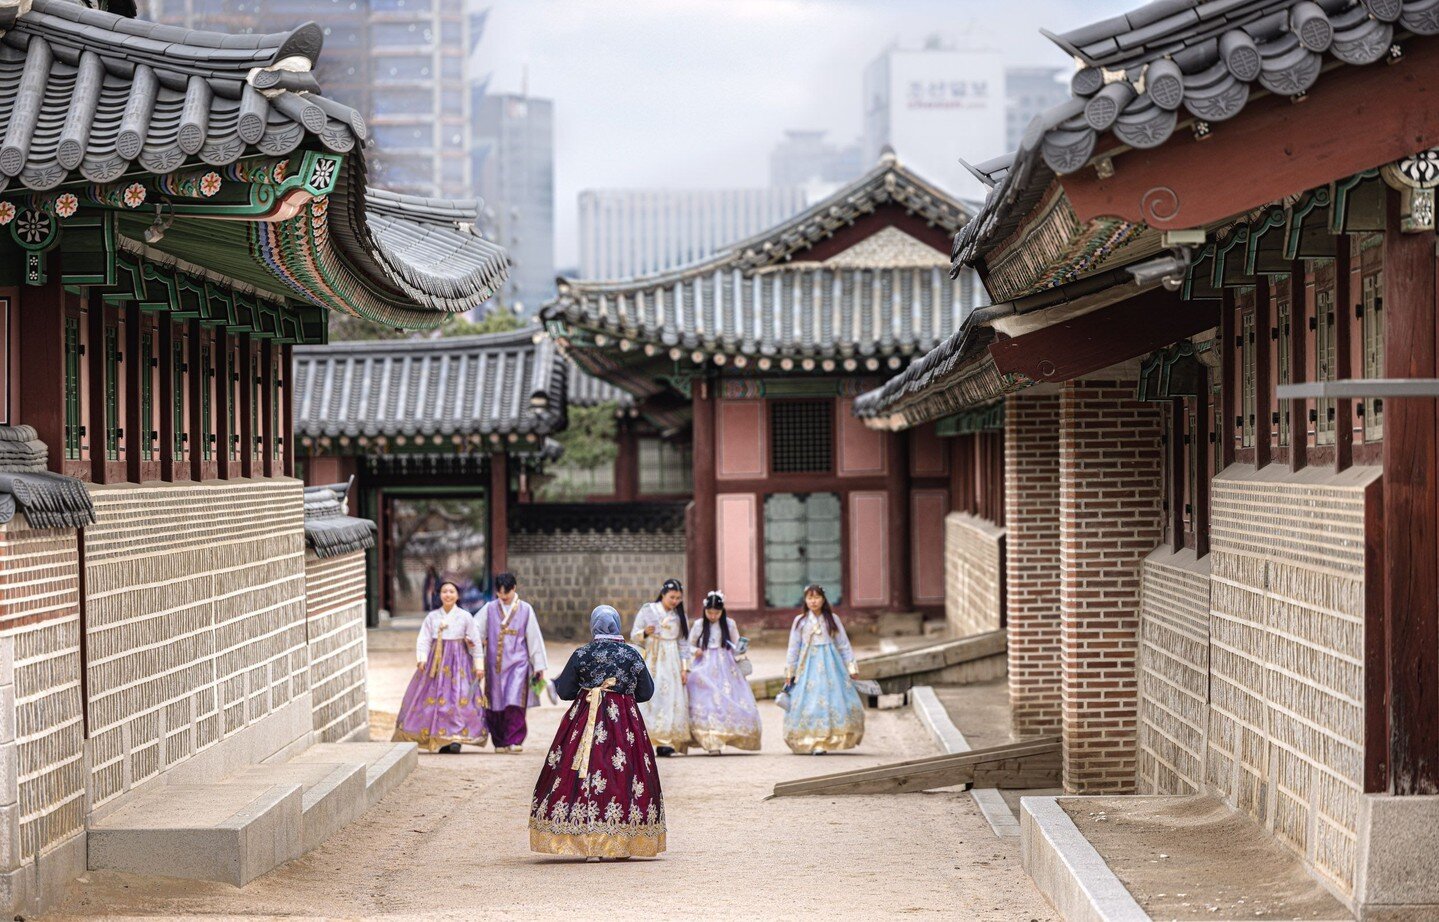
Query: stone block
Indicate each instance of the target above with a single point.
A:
(1070, 873)
(332, 793)
(1398, 842)
(900, 624)
(386, 764)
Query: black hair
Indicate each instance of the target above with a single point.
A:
(447, 582)
(674, 585)
(506, 581)
(829, 623)
(715, 601)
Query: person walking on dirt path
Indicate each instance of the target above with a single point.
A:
(598, 794)
(516, 661)
(723, 711)
(824, 713)
(661, 630)
(443, 706)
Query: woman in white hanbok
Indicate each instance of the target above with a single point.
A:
(662, 632)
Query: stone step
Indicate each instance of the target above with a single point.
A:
(333, 794)
(386, 764)
(230, 831)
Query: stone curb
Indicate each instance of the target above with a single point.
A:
(950, 740)
(1070, 873)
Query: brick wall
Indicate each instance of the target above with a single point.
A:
(1286, 718)
(973, 574)
(1173, 672)
(42, 740)
(1031, 518)
(195, 620)
(1110, 466)
(335, 626)
(565, 575)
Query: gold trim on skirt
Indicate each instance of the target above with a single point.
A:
(710, 740)
(428, 743)
(804, 743)
(596, 844)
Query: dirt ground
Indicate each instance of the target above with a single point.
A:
(1187, 858)
(452, 841)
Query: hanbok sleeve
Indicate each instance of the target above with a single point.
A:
(567, 683)
(841, 641)
(644, 684)
(535, 641)
(643, 619)
(475, 638)
(683, 642)
(695, 629)
(426, 638)
(791, 659)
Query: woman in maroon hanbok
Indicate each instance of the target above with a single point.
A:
(598, 795)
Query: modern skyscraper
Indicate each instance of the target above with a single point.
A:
(400, 62)
(514, 168)
(1029, 91)
(804, 159)
(630, 232)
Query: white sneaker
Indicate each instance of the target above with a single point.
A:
(502, 749)
(515, 749)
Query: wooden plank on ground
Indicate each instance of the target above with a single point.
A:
(933, 657)
(1027, 764)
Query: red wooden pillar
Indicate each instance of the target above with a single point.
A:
(287, 411)
(94, 360)
(499, 512)
(704, 565)
(1343, 363)
(896, 489)
(137, 430)
(223, 353)
(247, 409)
(196, 383)
(1411, 538)
(167, 398)
(627, 463)
(1263, 397)
(41, 330)
(383, 556)
(1300, 295)
(267, 408)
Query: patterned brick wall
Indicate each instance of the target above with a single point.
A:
(1173, 672)
(973, 574)
(1109, 520)
(564, 576)
(1286, 719)
(42, 740)
(335, 629)
(1031, 518)
(195, 620)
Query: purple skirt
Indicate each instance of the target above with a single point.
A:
(444, 703)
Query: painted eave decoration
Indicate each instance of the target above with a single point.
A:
(454, 394)
(765, 303)
(1168, 65)
(230, 136)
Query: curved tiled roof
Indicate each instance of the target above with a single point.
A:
(499, 384)
(585, 390)
(750, 299)
(329, 530)
(1144, 72)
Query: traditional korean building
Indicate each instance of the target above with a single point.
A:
(747, 363)
(1212, 350)
(178, 211)
(454, 417)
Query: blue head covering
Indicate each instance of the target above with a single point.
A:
(605, 623)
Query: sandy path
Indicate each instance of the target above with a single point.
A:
(452, 840)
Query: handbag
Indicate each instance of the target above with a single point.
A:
(782, 700)
(746, 668)
(867, 687)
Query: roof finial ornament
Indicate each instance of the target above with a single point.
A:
(887, 156)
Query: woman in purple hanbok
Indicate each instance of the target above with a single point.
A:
(598, 794)
(515, 655)
(722, 707)
(444, 705)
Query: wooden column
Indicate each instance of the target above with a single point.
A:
(267, 415)
(901, 589)
(1411, 500)
(704, 564)
(287, 411)
(499, 512)
(1264, 399)
(94, 360)
(627, 463)
(247, 409)
(1175, 461)
(957, 471)
(383, 557)
(41, 329)
(1228, 391)
(1201, 460)
(196, 383)
(166, 398)
(224, 396)
(1343, 362)
(137, 430)
(1299, 296)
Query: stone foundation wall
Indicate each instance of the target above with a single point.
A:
(973, 574)
(565, 575)
(42, 735)
(1286, 717)
(335, 626)
(1173, 672)
(195, 621)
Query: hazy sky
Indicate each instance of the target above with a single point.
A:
(695, 93)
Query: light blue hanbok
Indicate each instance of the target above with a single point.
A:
(825, 712)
